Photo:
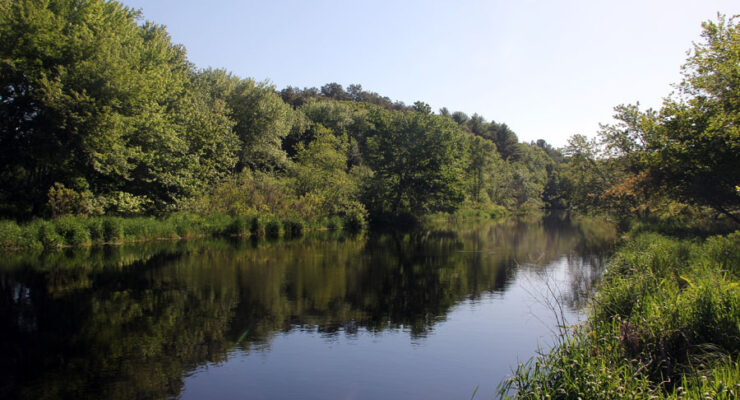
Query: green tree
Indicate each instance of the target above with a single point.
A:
(696, 155)
(321, 174)
(262, 119)
(415, 158)
(482, 156)
(88, 95)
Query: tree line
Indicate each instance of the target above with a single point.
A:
(680, 161)
(102, 114)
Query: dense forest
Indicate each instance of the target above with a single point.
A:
(102, 114)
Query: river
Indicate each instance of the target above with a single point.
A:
(429, 314)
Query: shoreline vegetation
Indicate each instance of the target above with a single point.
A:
(664, 324)
(84, 231)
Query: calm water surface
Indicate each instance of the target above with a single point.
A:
(429, 314)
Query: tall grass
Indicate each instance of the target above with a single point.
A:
(664, 324)
(78, 231)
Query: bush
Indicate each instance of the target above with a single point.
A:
(185, 224)
(148, 228)
(216, 224)
(47, 234)
(95, 227)
(112, 230)
(273, 228)
(239, 226)
(73, 230)
(10, 234)
(355, 217)
(293, 228)
(334, 222)
(257, 226)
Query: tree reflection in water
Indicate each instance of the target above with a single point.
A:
(131, 322)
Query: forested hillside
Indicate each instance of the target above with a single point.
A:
(101, 113)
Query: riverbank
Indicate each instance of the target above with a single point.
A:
(664, 324)
(80, 231)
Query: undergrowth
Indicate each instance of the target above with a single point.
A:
(665, 324)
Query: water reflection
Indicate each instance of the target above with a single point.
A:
(134, 321)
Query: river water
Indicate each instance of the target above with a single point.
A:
(430, 314)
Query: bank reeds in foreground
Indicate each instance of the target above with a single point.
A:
(664, 324)
(76, 231)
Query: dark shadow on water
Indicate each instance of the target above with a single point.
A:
(132, 321)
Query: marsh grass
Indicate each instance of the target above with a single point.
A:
(78, 231)
(664, 324)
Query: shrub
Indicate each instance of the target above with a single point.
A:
(95, 227)
(273, 228)
(238, 226)
(293, 227)
(47, 234)
(148, 228)
(257, 226)
(112, 230)
(355, 217)
(73, 230)
(185, 224)
(354, 222)
(216, 224)
(10, 234)
(334, 222)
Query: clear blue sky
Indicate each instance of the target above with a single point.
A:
(547, 69)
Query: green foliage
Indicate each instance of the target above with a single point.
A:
(9, 234)
(90, 94)
(47, 234)
(648, 161)
(354, 217)
(293, 228)
(96, 228)
(16, 237)
(334, 222)
(102, 115)
(262, 119)
(147, 228)
(483, 164)
(239, 226)
(257, 226)
(664, 324)
(273, 228)
(724, 251)
(64, 200)
(695, 155)
(73, 230)
(113, 230)
(414, 159)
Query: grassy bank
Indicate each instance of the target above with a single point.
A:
(77, 231)
(472, 212)
(664, 324)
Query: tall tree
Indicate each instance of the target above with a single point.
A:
(696, 156)
(262, 119)
(90, 98)
(482, 156)
(415, 157)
